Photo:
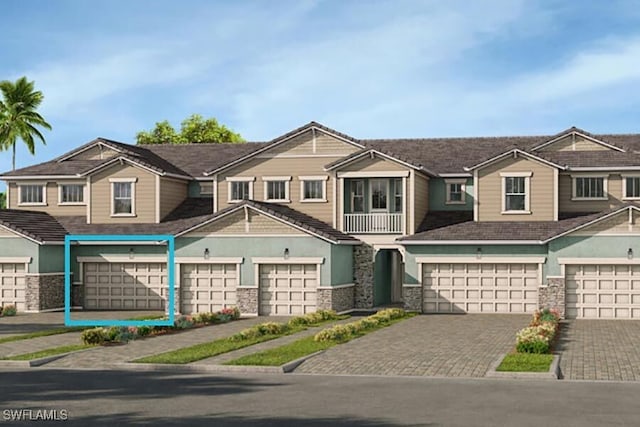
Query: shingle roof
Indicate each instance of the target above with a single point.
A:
(38, 226)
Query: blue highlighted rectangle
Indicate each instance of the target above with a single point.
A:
(119, 238)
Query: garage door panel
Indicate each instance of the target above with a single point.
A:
(602, 291)
(480, 288)
(208, 287)
(287, 289)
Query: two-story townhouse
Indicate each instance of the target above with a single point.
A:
(319, 219)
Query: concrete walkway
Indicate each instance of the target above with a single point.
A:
(600, 350)
(427, 345)
(106, 357)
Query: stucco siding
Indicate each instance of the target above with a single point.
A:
(21, 247)
(568, 143)
(145, 195)
(540, 197)
(52, 207)
(421, 198)
(293, 167)
(172, 193)
(614, 189)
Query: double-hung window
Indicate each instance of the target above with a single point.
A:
(455, 191)
(276, 188)
(397, 195)
(123, 196)
(32, 194)
(589, 188)
(515, 192)
(357, 196)
(379, 192)
(313, 188)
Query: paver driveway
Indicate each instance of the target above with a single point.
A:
(600, 350)
(426, 345)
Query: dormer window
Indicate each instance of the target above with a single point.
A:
(455, 191)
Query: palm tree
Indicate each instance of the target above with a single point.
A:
(19, 116)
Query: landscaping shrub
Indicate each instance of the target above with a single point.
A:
(143, 331)
(183, 322)
(313, 318)
(123, 334)
(538, 336)
(232, 312)
(534, 346)
(340, 333)
(93, 336)
(9, 310)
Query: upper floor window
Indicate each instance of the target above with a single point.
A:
(123, 201)
(515, 189)
(32, 194)
(589, 188)
(276, 188)
(455, 192)
(240, 188)
(71, 194)
(397, 195)
(357, 196)
(632, 187)
(313, 188)
(379, 192)
(206, 188)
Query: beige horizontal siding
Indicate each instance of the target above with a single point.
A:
(565, 183)
(293, 167)
(303, 145)
(95, 153)
(145, 195)
(490, 190)
(581, 144)
(421, 198)
(236, 224)
(617, 224)
(172, 193)
(6, 233)
(52, 206)
(377, 164)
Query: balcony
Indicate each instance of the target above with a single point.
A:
(362, 223)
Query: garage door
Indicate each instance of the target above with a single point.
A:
(287, 289)
(208, 287)
(12, 285)
(125, 286)
(480, 288)
(603, 291)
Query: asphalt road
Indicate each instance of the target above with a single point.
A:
(114, 398)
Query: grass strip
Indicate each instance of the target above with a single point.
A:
(219, 346)
(38, 334)
(286, 353)
(49, 352)
(526, 362)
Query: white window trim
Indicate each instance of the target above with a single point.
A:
(287, 194)
(230, 180)
(624, 186)
(605, 187)
(206, 193)
(44, 194)
(132, 181)
(371, 209)
(352, 196)
(527, 192)
(323, 178)
(447, 186)
(84, 195)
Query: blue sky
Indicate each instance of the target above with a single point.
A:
(372, 69)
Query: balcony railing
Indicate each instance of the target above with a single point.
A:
(373, 223)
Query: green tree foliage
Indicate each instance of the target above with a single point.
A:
(194, 129)
(19, 118)
(3, 203)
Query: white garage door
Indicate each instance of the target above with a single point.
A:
(288, 289)
(480, 288)
(125, 286)
(208, 287)
(12, 285)
(602, 291)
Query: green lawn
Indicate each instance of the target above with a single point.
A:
(49, 352)
(43, 333)
(286, 353)
(526, 362)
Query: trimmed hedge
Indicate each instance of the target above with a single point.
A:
(339, 333)
(8, 310)
(539, 335)
(275, 328)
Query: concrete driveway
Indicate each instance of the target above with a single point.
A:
(426, 345)
(600, 350)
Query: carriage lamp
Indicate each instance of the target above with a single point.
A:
(286, 253)
(479, 253)
(630, 254)
(131, 253)
(206, 253)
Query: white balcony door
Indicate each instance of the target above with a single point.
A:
(379, 193)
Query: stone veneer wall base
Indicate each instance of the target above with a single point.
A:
(552, 295)
(338, 299)
(363, 276)
(412, 298)
(247, 300)
(44, 292)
